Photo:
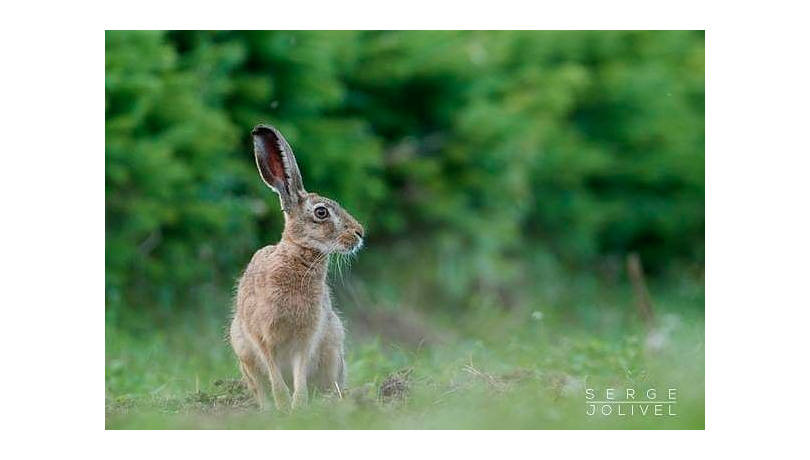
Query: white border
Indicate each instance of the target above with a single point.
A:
(757, 228)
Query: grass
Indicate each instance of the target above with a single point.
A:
(432, 366)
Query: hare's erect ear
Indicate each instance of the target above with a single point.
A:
(277, 165)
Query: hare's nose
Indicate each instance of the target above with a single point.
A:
(359, 232)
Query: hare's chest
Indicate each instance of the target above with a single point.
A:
(302, 315)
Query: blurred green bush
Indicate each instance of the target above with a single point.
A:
(481, 147)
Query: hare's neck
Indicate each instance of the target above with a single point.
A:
(304, 261)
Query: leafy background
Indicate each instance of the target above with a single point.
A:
(498, 175)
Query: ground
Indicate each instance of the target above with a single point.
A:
(485, 368)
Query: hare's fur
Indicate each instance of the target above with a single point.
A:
(284, 328)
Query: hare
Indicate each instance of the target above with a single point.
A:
(284, 328)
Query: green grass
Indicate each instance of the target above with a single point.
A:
(482, 367)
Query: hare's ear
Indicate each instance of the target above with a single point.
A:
(277, 165)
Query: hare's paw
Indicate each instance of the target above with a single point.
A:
(300, 399)
(282, 399)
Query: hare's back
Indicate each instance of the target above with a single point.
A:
(256, 269)
(262, 255)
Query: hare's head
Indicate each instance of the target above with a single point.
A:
(310, 220)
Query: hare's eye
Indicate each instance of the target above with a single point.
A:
(321, 212)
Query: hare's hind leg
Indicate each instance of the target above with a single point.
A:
(249, 364)
(250, 373)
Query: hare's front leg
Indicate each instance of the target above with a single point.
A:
(331, 372)
(300, 366)
(281, 394)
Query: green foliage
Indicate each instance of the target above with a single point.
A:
(485, 149)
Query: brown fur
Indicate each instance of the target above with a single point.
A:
(284, 328)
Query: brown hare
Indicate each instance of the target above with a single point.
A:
(284, 328)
